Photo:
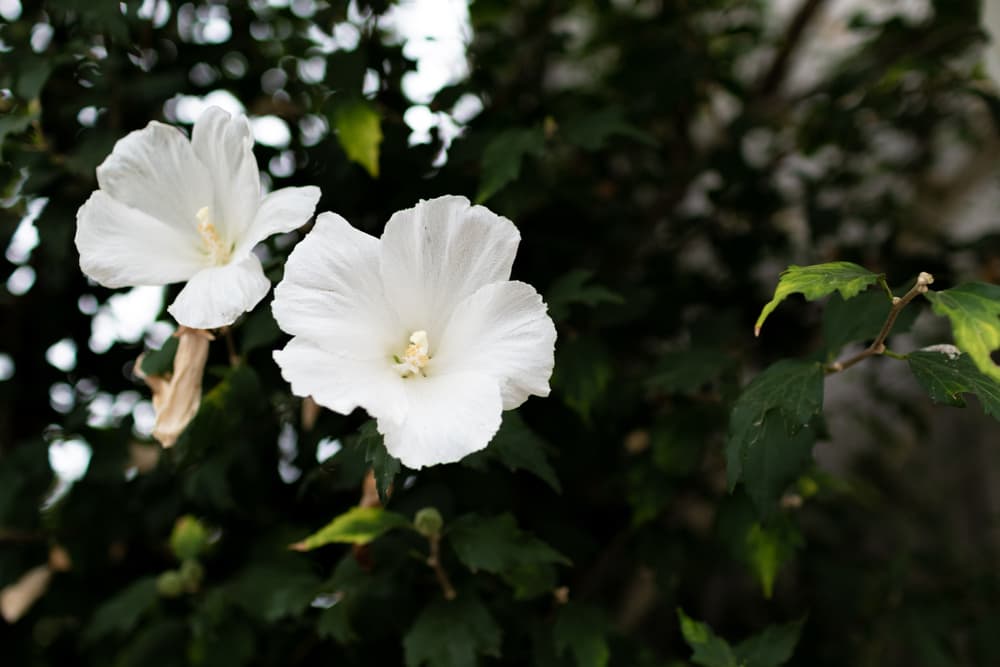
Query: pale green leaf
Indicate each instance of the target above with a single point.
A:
(768, 548)
(816, 281)
(708, 649)
(974, 312)
(359, 525)
(947, 376)
(359, 131)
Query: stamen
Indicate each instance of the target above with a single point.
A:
(217, 251)
(415, 358)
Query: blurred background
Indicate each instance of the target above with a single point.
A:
(664, 161)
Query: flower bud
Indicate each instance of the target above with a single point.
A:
(428, 522)
(170, 584)
(189, 538)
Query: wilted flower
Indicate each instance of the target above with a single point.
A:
(171, 210)
(421, 328)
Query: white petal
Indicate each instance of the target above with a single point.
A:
(340, 383)
(121, 246)
(281, 211)
(448, 417)
(439, 252)
(216, 296)
(224, 144)
(156, 171)
(503, 330)
(331, 293)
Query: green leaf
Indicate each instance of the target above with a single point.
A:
(583, 631)
(592, 129)
(776, 459)
(583, 374)
(122, 613)
(709, 650)
(687, 371)
(358, 525)
(502, 158)
(572, 288)
(274, 591)
(359, 131)
(517, 447)
(336, 624)
(161, 362)
(15, 121)
(259, 330)
(768, 548)
(974, 312)
(384, 465)
(33, 72)
(496, 544)
(452, 634)
(790, 392)
(946, 376)
(771, 648)
(817, 281)
(860, 319)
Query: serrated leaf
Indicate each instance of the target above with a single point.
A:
(974, 312)
(517, 447)
(771, 648)
(790, 391)
(860, 319)
(573, 288)
(709, 650)
(359, 131)
(120, 614)
(503, 156)
(947, 376)
(767, 549)
(161, 362)
(384, 465)
(358, 525)
(452, 633)
(776, 459)
(582, 630)
(816, 281)
(591, 130)
(495, 544)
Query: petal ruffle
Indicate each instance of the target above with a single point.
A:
(439, 252)
(122, 246)
(448, 417)
(224, 144)
(281, 211)
(216, 296)
(504, 331)
(340, 383)
(332, 295)
(156, 171)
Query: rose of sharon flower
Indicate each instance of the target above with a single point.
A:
(421, 328)
(171, 210)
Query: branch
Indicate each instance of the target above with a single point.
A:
(771, 81)
(924, 280)
(434, 561)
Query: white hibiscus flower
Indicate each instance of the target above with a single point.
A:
(171, 210)
(421, 328)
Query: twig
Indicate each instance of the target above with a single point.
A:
(772, 80)
(924, 280)
(434, 561)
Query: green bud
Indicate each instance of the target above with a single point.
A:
(189, 538)
(192, 573)
(170, 584)
(428, 522)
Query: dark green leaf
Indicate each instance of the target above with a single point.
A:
(974, 312)
(496, 544)
(275, 591)
(503, 156)
(947, 375)
(122, 613)
(572, 288)
(517, 447)
(583, 373)
(592, 129)
(776, 458)
(452, 634)
(384, 465)
(259, 330)
(161, 362)
(816, 281)
(860, 319)
(771, 648)
(687, 371)
(335, 624)
(582, 630)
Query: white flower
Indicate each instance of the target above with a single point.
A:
(171, 210)
(421, 328)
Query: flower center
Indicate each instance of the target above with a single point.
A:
(415, 357)
(218, 253)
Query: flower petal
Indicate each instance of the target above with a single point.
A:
(341, 383)
(439, 252)
(504, 331)
(224, 144)
(331, 293)
(156, 171)
(448, 417)
(123, 246)
(216, 296)
(281, 211)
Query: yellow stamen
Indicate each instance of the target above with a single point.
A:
(416, 357)
(217, 251)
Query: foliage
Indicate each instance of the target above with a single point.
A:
(663, 163)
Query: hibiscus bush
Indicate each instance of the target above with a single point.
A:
(566, 334)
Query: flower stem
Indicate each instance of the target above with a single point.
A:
(434, 561)
(924, 280)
